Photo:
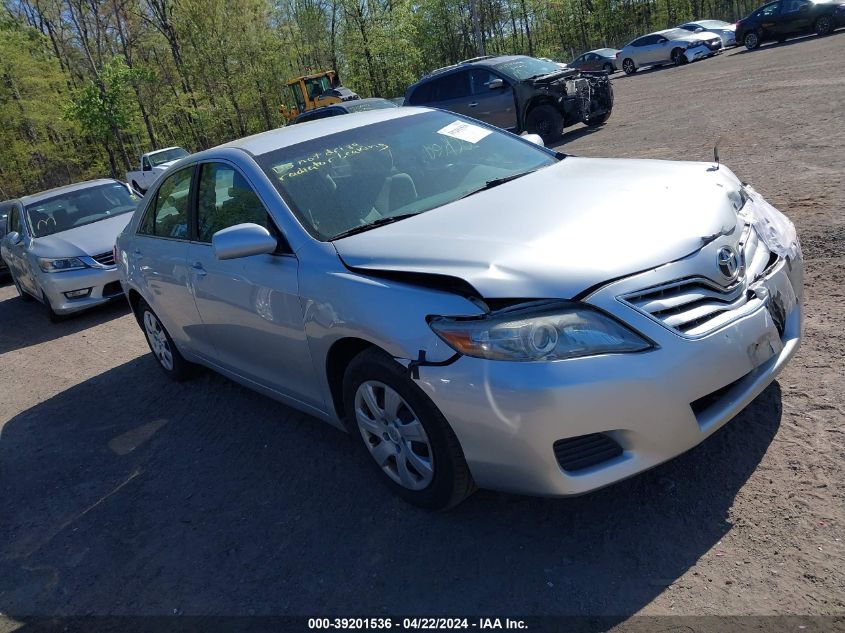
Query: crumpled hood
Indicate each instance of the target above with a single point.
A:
(90, 239)
(561, 230)
(701, 36)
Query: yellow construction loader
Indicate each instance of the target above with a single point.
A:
(315, 91)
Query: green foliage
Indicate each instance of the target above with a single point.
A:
(87, 85)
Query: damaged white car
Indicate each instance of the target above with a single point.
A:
(475, 309)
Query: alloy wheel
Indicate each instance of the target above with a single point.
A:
(823, 25)
(751, 41)
(158, 340)
(628, 66)
(394, 435)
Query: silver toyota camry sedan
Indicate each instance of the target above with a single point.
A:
(59, 244)
(475, 309)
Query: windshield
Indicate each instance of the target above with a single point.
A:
(523, 68)
(393, 168)
(363, 106)
(77, 208)
(166, 156)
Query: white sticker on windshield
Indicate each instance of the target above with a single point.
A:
(464, 131)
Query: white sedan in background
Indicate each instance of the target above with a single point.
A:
(724, 30)
(671, 46)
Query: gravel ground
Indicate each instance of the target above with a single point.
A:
(123, 493)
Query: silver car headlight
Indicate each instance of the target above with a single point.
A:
(60, 264)
(539, 332)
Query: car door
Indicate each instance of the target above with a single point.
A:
(794, 17)
(491, 99)
(659, 50)
(767, 19)
(250, 308)
(159, 254)
(641, 49)
(14, 251)
(592, 62)
(147, 174)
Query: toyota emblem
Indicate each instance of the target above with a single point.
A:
(728, 261)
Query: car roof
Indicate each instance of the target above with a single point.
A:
(264, 142)
(491, 60)
(357, 101)
(77, 186)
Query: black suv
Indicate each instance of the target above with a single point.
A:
(517, 93)
(785, 18)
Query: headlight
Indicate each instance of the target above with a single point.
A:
(694, 44)
(59, 265)
(539, 332)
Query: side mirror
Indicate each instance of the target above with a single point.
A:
(496, 84)
(242, 240)
(14, 238)
(145, 167)
(534, 138)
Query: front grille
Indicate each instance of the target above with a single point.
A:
(578, 453)
(106, 259)
(696, 306)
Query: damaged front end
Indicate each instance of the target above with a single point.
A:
(581, 96)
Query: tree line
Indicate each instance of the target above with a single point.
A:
(86, 86)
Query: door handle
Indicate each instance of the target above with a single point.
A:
(199, 271)
(473, 104)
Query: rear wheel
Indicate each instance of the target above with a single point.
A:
(824, 25)
(409, 442)
(751, 40)
(629, 66)
(546, 121)
(161, 345)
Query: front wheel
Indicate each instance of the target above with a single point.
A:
(161, 345)
(23, 294)
(54, 316)
(608, 68)
(595, 121)
(629, 66)
(824, 25)
(410, 443)
(677, 56)
(751, 41)
(546, 121)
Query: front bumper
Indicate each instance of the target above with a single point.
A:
(104, 284)
(508, 415)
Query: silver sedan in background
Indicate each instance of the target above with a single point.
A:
(725, 30)
(671, 46)
(476, 310)
(59, 244)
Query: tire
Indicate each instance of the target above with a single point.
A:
(608, 68)
(54, 316)
(599, 120)
(751, 40)
(677, 56)
(24, 296)
(629, 66)
(429, 471)
(168, 358)
(823, 26)
(546, 121)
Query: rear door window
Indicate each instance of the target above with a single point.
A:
(453, 86)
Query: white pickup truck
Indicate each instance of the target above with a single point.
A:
(153, 165)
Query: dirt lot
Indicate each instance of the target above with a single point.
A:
(122, 493)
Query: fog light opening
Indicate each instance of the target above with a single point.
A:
(78, 294)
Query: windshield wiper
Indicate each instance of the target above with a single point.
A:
(372, 225)
(498, 181)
